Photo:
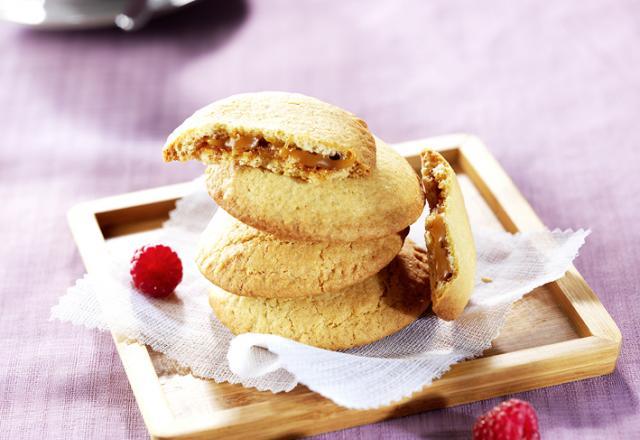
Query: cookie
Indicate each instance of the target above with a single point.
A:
(385, 202)
(245, 261)
(360, 314)
(285, 133)
(450, 245)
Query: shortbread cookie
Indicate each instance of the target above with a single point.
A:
(286, 133)
(450, 245)
(246, 261)
(385, 202)
(360, 314)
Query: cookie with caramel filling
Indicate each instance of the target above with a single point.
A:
(245, 261)
(285, 133)
(450, 246)
(335, 210)
(358, 315)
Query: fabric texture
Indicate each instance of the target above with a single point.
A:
(551, 87)
(370, 376)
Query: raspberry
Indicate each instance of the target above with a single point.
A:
(511, 420)
(156, 270)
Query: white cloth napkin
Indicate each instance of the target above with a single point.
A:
(185, 330)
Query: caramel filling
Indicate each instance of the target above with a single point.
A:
(439, 249)
(438, 245)
(244, 146)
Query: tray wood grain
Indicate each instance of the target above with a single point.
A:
(558, 333)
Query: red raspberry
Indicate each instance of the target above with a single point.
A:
(511, 420)
(156, 270)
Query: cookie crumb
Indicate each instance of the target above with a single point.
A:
(487, 280)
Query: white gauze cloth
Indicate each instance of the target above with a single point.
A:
(185, 330)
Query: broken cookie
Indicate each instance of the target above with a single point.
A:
(285, 133)
(450, 245)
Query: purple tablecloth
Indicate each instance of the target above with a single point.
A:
(553, 88)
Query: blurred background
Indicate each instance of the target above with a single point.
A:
(553, 88)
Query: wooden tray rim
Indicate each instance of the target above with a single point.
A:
(599, 342)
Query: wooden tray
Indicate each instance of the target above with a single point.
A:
(558, 333)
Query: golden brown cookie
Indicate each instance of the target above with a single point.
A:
(245, 261)
(450, 245)
(360, 314)
(345, 210)
(286, 133)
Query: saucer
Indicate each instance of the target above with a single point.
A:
(74, 14)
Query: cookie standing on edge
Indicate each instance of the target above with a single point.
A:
(285, 133)
(245, 261)
(450, 245)
(337, 210)
(361, 314)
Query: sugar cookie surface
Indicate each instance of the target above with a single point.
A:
(385, 202)
(360, 314)
(245, 261)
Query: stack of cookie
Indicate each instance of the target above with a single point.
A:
(309, 241)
